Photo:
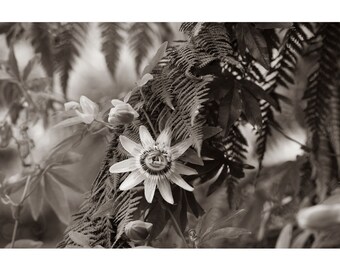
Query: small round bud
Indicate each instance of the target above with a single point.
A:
(138, 230)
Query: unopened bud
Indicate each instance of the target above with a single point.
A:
(319, 216)
(5, 134)
(138, 230)
(121, 113)
(71, 105)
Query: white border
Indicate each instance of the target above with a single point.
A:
(169, 259)
(171, 10)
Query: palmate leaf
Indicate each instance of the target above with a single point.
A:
(70, 38)
(36, 197)
(112, 40)
(251, 38)
(43, 44)
(56, 198)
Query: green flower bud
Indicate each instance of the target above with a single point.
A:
(138, 230)
(122, 113)
(319, 217)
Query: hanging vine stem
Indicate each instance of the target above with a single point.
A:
(17, 210)
(174, 223)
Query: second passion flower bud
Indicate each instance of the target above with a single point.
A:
(122, 113)
(138, 230)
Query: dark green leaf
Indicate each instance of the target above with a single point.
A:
(259, 93)
(195, 207)
(252, 109)
(219, 181)
(209, 132)
(239, 31)
(192, 157)
(56, 198)
(230, 109)
(256, 44)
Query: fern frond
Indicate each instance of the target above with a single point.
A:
(70, 38)
(42, 43)
(187, 27)
(321, 82)
(282, 74)
(189, 97)
(123, 212)
(102, 230)
(140, 37)
(214, 39)
(111, 42)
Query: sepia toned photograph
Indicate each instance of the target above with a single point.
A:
(181, 135)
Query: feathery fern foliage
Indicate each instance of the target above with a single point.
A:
(67, 44)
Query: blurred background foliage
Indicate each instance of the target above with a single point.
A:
(51, 63)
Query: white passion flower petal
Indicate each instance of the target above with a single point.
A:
(132, 180)
(146, 138)
(179, 181)
(116, 102)
(127, 165)
(165, 190)
(88, 106)
(149, 189)
(182, 169)
(134, 149)
(85, 117)
(178, 149)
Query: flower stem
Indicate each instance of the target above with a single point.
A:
(16, 225)
(17, 215)
(150, 123)
(177, 227)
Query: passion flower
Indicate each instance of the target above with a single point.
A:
(155, 163)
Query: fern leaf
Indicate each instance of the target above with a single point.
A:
(70, 38)
(42, 43)
(282, 74)
(111, 42)
(321, 82)
(140, 37)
